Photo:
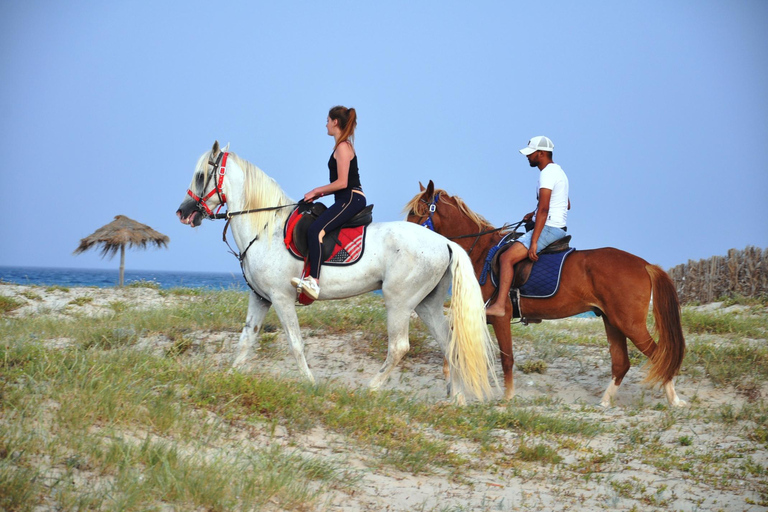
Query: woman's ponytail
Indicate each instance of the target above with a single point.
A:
(347, 118)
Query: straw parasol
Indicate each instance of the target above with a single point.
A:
(121, 232)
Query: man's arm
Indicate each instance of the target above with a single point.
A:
(542, 212)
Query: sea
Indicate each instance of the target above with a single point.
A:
(106, 278)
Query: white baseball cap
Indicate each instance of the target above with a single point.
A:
(539, 143)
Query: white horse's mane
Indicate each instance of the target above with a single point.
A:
(262, 191)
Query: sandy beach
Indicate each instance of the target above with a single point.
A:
(621, 476)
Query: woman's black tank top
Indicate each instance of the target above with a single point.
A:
(353, 178)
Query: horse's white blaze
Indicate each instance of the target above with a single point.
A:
(414, 268)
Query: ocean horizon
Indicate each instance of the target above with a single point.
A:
(106, 278)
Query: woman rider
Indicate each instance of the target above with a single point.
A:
(344, 185)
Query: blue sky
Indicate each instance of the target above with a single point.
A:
(658, 111)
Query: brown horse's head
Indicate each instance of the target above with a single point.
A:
(443, 213)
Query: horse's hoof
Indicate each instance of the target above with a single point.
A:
(240, 362)
(376, 383)
(460, 400)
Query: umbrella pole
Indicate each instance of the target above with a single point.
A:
(122, 263)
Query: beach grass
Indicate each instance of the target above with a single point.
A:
(92, 418)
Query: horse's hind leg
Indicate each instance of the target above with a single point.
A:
(257, 311)
(430, 310)
(637, 331)
(619, 361)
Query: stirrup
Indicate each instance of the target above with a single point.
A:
(307, 285)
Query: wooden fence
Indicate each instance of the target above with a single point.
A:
(741, 273)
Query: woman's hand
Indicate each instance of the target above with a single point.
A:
(312, 195)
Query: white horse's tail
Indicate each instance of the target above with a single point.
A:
(471, 351)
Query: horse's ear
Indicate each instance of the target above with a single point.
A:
(430, 189)
(226, 148)
(215, 150)
(421, 187)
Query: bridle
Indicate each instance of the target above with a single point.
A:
(432, 209)
(219, 168)
(429, 224)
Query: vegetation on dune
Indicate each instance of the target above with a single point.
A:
(89, 420)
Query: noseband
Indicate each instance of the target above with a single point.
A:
(219, 168)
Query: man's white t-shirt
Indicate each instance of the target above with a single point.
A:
(553, 178)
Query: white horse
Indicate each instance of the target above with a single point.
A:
(413, 267)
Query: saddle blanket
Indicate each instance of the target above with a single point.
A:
(347, 250)
(545, 275)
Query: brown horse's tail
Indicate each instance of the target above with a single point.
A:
(670, 350)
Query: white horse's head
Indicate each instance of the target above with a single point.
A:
(223, 177)
(204, 193)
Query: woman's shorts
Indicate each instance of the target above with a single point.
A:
(548, 235)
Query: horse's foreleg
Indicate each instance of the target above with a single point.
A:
(397, 330)
(619, 361)
(257, 311)
(504, 337)
(286, 312)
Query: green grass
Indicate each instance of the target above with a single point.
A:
(736, 363)
(170, 427)
(80, 301)
(538, 453)
(740, 300)
(104, 397)
(8, 304)
(699, 322)
(537, 366)
(57, 288)
(143, 283)
(29, 294)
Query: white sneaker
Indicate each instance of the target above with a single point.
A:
(307, 285)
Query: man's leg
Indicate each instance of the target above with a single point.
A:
(518, 252)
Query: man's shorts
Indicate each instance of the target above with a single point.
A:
(548, 235)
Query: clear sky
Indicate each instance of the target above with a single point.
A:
(658, 111)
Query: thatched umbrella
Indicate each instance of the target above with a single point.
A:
(121, 232)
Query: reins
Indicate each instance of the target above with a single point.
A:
(505, 227)
(228, 215)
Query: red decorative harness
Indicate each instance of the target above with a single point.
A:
(222, 168)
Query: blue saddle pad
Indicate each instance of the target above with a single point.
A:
(545, 275)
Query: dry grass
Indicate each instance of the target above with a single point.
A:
(107, 406)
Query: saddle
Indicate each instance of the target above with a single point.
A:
(342, 246)
(523, 268)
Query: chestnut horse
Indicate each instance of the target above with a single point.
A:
(612, 283)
